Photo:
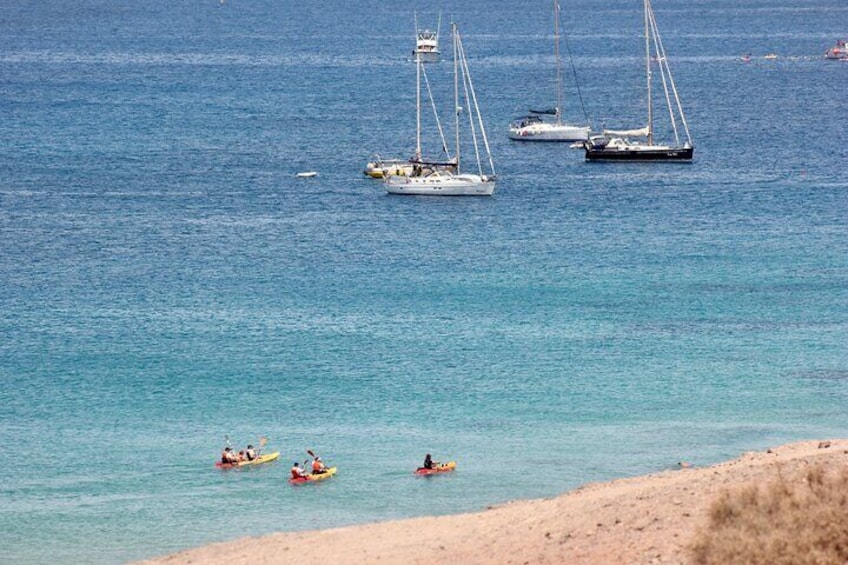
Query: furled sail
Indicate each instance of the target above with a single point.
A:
(642, 132)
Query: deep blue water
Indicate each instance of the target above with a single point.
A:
(167, 281)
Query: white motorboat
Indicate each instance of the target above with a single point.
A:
(427, 43)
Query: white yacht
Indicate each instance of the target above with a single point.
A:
(427, 43)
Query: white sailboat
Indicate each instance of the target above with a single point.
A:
(616, 145)
(533, 127)
(446, 178)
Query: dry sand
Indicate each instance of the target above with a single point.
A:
(648, 519)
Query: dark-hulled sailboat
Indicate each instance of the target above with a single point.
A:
(617, 145)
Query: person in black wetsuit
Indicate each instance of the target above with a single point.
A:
(429, 463)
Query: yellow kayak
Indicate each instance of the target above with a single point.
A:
(258, 461)
(314, 477)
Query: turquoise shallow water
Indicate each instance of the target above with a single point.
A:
(167, 281)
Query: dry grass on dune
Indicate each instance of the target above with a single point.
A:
(795, 520)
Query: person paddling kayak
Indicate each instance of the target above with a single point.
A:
(429, 463)
(297, 472)
(228, 456)
(318, 466)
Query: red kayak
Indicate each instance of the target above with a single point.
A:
(443, 468)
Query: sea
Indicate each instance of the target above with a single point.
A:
(168, 284)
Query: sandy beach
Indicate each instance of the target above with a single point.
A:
(640, 520)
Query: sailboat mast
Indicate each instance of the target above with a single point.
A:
(558, 66)
(456, 90)
(648, 74)
(417, 106)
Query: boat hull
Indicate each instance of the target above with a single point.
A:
(637, 154)
(458, 185)
(550, 133)
(427, 56)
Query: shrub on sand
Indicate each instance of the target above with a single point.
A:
(795, 520)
